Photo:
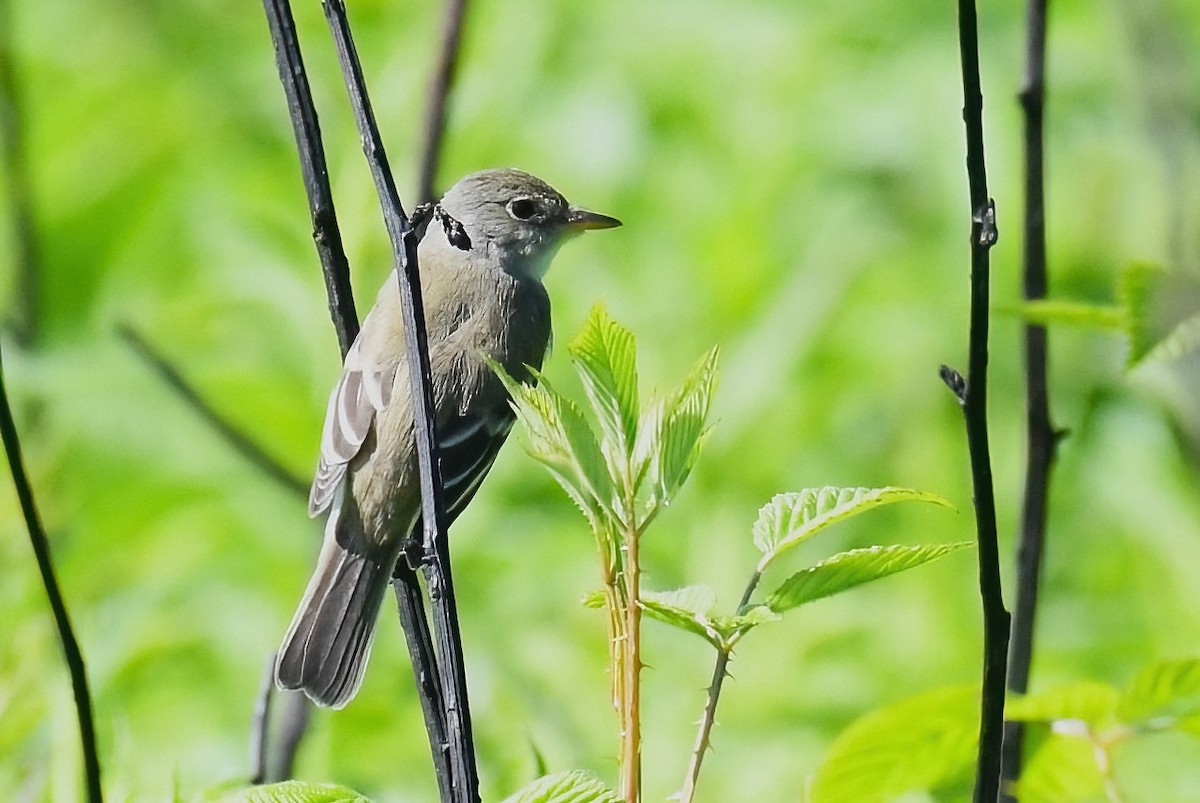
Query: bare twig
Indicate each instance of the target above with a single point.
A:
(307, 128)
(20, 195)
(973, 396)
(1041, 434)
(41, 552)
(186, 391)
(439, 92)
(631, 662)
(297, 709)
(464, 780)
(260, 728)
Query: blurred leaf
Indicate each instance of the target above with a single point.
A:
(854, 568)
(918, 744)
(1062, 770)
(573, 786)
(1182, 340)
(1161, 689)
(790, 518)
(1046, 312)
(1134, 291)
(1087, 701)
(294, 792)
(687, 609)
(682, 419)
(593, 599)
(605, 357)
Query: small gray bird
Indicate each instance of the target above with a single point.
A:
(483, 296)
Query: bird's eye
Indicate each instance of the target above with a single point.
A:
(522, 208)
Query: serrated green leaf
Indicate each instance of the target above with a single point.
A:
(605, 358)
(561, 439)
(685, 608)
(790, 518)
(1062, 770)
(1087, 701)
(1048, 312)
(1134, 291)
(1181, 341)
(918, 744)
(1162, 689)
(846, 570)
(294, 792)
(682, 428)
(573, 786)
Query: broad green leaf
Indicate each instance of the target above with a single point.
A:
(1062, 770)
(1087, 701)
(1181, 341)
(606, 360)
(682, 427)
(1047, 312)
(686, 608)
(294, 792)
(573, 786)
(854, 568)
(1134, 291)
(918, 744)
(1162, 689)
(791, 518)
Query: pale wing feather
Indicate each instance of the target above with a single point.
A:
(360, 392)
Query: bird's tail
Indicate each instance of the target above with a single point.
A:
(325, 650)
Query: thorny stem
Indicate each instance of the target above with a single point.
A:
(631, 729)
(709, 718)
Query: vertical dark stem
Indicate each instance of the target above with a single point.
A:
(411, 606)
(974, 402)
(20, 195)
(260, 727)
(313, 170)
(41, 552)
(465, 780)
(439, 92)
(1040, 432)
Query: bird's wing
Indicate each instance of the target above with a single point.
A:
(361, 391)
(468, 445)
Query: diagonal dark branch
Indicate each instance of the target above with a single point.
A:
(464, 776)
(41, 552)
(1040, 432)
(307, 128)
(260, 730)
(247, 448)
(439, 92)
(974, 403)
(20, 195)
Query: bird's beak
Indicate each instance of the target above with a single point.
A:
(582, 220)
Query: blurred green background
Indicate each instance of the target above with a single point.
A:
(791, 180)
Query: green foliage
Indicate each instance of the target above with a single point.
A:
(792, 518)
(921, 744)
(573, 786)
(1163, 689)
(847, 570)
(1140, 290)
(293, 792)
(1087, 701)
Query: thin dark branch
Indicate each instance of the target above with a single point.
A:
(326, 235)
(260, 727)
(439, 92)
(974, 398)
(411, 606)
(247, 448)
(297, 710)
(27, 258)
(464, 780)
(1040, 432)
(41, 552)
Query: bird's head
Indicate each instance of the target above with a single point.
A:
(517, 218)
